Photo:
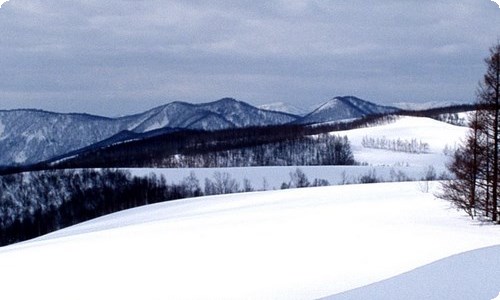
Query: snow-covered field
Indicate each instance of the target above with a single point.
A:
(292, 244)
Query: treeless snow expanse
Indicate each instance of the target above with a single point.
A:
(292, 244)
(473, 275)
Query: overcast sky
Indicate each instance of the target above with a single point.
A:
(113, 57)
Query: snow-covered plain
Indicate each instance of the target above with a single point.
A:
(292, 244)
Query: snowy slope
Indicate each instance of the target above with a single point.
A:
(436, 134)
(471, 275)
(292, 244)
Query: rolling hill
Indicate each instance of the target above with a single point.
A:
(300, 244)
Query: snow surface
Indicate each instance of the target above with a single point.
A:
(471, 275)
(291, 244)
(437, 134)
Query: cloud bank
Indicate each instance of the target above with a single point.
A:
(115, 57)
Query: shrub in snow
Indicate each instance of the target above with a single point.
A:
(370, 177)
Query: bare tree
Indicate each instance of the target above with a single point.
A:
(475, 164)
(298, 179)
(223, 183)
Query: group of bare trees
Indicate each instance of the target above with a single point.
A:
(475, 164)
(35, 203)
(396, 145)
(322, 149)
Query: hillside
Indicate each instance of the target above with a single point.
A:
(436, 134)
(300, 244)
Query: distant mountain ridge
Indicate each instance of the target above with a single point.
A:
(284, 107)
(344, 108)
(28, 136)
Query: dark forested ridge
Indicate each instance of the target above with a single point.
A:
(288, 142)
(36, 203)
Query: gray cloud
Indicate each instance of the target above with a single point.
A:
(117, 57)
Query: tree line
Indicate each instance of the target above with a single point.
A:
(475, 163)
(396, 145)
(292, 143)
(323, 149)
(35, 203)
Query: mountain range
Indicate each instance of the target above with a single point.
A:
(30, 136)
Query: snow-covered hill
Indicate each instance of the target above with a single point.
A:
(344, 108)
(292, 244)
(28, 136)
(437, 135)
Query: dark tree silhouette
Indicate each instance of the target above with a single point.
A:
(475, 165)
